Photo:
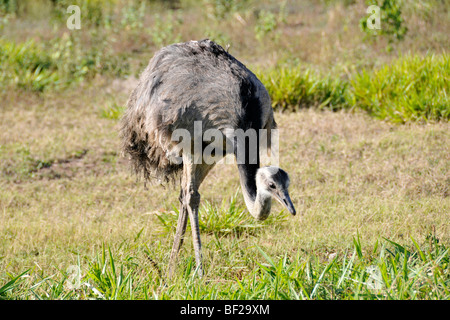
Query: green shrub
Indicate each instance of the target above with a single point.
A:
(26, 65)
(56, 64)
(411, 88)
(292, 88)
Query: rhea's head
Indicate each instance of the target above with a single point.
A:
(275, 181)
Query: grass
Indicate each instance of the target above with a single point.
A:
(112, 111)
(56, 64)
(26, 66)
(390, 272)
(372, 196)
(290, 89)
(354, 179)
(229, 218)
(387, 271)
(412, 88)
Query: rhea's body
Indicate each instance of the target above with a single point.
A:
(199, 82)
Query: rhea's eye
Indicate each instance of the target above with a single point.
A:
(272, 185)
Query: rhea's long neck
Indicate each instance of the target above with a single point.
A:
(258, 202)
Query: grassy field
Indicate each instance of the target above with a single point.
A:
(364, 135)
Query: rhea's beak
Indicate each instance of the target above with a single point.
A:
(285, 200)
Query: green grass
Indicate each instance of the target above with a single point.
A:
(112, 111)
(26, 65)
(56, 64)
(388, 271)
(393, 271)
(229, 218)
(291, 88)
(412, 88)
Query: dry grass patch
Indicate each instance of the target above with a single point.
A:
(351, 176)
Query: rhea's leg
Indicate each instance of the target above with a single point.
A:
(193, 199)
(179, 235)
(194, 177)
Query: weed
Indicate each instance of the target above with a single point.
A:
(133, 15)
(411, 88)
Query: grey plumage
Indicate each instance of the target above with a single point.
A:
(199, 81)
(183, 83)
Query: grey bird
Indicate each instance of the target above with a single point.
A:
(200, 82)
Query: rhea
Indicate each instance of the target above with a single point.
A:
(192, 82)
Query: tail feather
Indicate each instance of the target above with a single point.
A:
(147, 157)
